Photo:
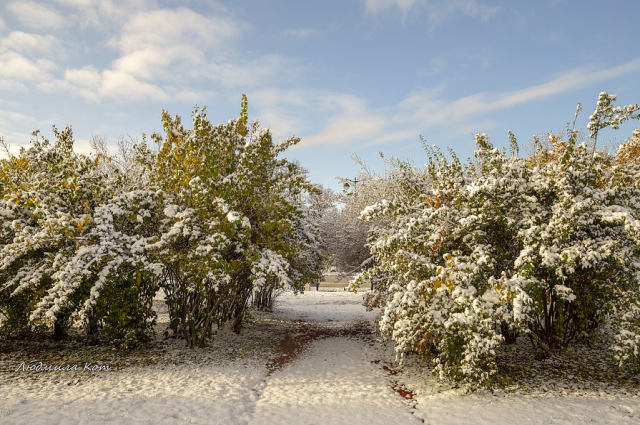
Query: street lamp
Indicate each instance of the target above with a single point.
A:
(346, 186)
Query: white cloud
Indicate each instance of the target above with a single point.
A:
(343, 118)
(13, 86)
(78, 3)
(566, 82)
(192, 46)
(300, 32)
(94, 85)
(379, 6)
(104, 14)
(351, 121)
(160, 52)
(168, 52)
(16, 67)
(437, 11)
(362, 126)
(37, 15)
(86, 77)
(125, 87)
(393, 136)
(10, 116)
(283, 111)
(178, 27)
(149, 64)
(3, 26)
(28, 59)
(31, 44)
(84, 82)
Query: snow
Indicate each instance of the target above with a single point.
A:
(336, 383)
(518, 410)
(184, 394)
(336, 380)
(327, 306)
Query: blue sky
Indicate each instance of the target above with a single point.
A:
(349, 76)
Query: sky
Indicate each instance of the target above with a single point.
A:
(347, 76)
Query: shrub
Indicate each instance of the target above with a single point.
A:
(67, 231)
(546, 245)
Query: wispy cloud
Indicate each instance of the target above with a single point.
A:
(430, 108)
(10, 116)
(565, 82)
(344, 119)
(103, 14)
(31, 44)
(36, 15)
(188, 44)
(180, 26)
(300, 32)
(379, 6)
(437, 11)
(356, 126)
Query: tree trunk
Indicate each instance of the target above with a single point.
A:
(58, 330)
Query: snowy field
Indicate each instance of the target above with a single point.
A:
(331, 371)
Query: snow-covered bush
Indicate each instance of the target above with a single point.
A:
(68, 236)
(546, 245)
(235, 229)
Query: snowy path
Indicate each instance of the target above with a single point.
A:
(335, 382)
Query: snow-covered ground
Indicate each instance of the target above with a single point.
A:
(341, 306)
(339, 376)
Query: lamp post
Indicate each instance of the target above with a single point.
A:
(346, 186)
